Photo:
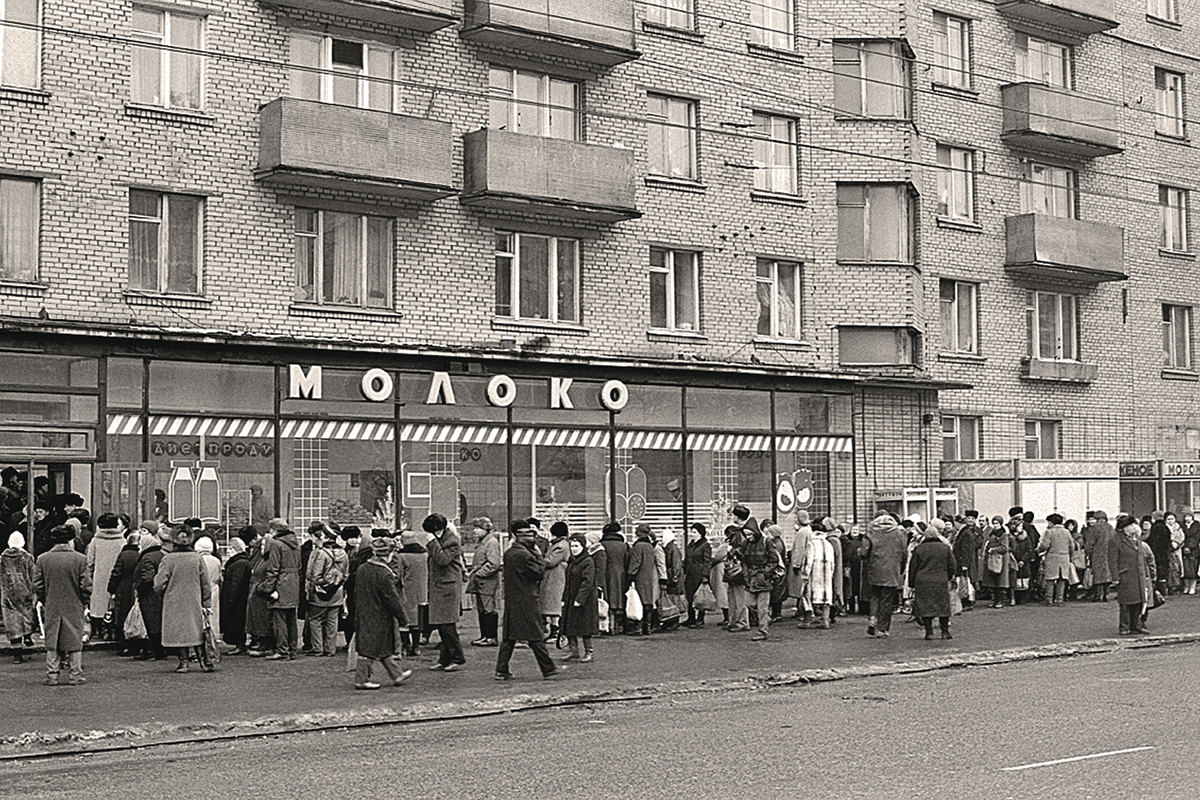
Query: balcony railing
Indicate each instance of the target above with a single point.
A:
(415, 15)
(1059, 121)
(1081, 17)
(1054, 248)
(598, 32)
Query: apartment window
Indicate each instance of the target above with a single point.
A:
(1051, 322)
(1168, 102)
(1044, 61)
(674, 289)
(960, 315)
(532, 103)
(774, 154)
(164, 242)
(341, 71)
(951, 51)
(875, 222)
(167, 67)
(771, 23)
(19, 43)
(537, 277)
(20, 215)
(1041, 438)
(872, 79)
(672, 136)
(674, 13)
(961, 437)
(343, 259)
(1172, 204)
(878, 346)
(1177, 336)
(956, 183)
(1050, 190)
(777, 284)
(1163, 9)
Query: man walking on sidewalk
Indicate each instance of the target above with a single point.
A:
(885, 552)
(524, 566)
(376, 604)
(64, 586)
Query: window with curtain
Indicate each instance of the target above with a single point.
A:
(1177, 336)
(341, 71)
(1168, 102)
(956, 179)
(534, 103)
(674, 289)
(875, 222)
(1044, 61)
(20, 221)
(774, 153)
(19, 43)
(671, 132)
(1172, 203)
(537, 277)
(1050, 190)
(1051, 321)
(343, 259)
(951, 51)
(673, 13)
(961, 437)
(777, 284)
(1163, 9)
(959, 314)
(872, 79)
(1041, 438)
(771, 23)
(167, 65)
(164, 242)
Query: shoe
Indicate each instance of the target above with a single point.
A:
(1125, 632)
(279, 657)
(76, 681)
(452, 667)
(698, 625)
(488, 643)
(29, 639)
(759, 637)
(402, 677)
(737, 628)
(882, 635)
(870, 630)
(548, 676)
(437, 667)
(504, 676)
(237, 651)
(478, 642)
(368, 685)
(571, 657)
(825, 624)
(182, 668)
(207, 668)
(587, 659)
(928, 636)
(257, 653)
(18, 658)
(947, 635)
(51, 681)
(143, 657)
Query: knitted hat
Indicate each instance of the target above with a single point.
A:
(15, 539)
(204, 545)
(150, 526)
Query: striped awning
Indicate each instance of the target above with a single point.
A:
(815, 444)
(232, 428)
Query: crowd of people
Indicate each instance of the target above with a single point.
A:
(162, 590)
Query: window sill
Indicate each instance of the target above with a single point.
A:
(22, 289)
(539, 326)
(843, 117)
(664, 335)
(1163, 23)
(676, 184)
(170, 115)
(1174, 374)
(20, 94)
(1181, 254)
(323, 312)
(959, 225)
(759, 196)
(781, 344)
(136, 298)
(961, 358)
(956, 91)
(671, 32)
(860, 263)
(1171, 137)
(775, 53)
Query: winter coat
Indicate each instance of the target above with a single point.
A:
(614, 581)
(716, 576)
(835, 541)
(698, 566)
(102, 554)
(1057, 546)
(1024, 552)
(1133, 565)
(183, 582)
(235, 592)
(1159, 540)
(554, 579)
(328, 567)
(283, 571)
(63, 584)
(17, 592)
(796, 576)
(414, 579)
(819, 569)
(258, 613)
(376, 604)
(445, 578)
(485, 566)
(966, 552)
(673, 560)
(642, 572)
(523, 569)
(1191, 548)
(1096, 539)
(149, 601)
(999, 541)
(761, 562)
(885, 550)
(930, 574)
(212, 566)
(121, 580)
(580, 588)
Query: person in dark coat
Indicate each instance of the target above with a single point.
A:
(150, 601)
(696, 569)
(932, 572)
(641, 571)
(615, 583)
(885, 552)
(1132, 567)
(580, 614)
(281, 587)
(258, 610)
(120, 587)
(524, 566)
(1159, 540)
(672, 586)
(1191, 549)
(1096, 537)
(63, 585)
(445, 590)
(379, 610)
(183, 582)
(235, 591)
(966, 550)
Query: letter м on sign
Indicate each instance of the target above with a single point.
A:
(303, 385)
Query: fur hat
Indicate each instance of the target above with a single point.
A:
(15, 539)
(381, 546)
(63, 534)
(612, 527)
(204, 545)
(182, 536)
(644, 529)
(559, 529)
(741, 512)
(519, 526)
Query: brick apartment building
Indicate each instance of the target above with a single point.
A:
(355, 259)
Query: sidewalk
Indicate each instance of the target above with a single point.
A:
(126, 700)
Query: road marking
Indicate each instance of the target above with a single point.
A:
(1077, 758)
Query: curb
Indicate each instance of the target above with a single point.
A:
(75, 743)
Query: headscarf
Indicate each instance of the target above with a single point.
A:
(203, 545)
(16, 540)
(236, 545)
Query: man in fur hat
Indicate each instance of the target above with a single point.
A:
(64, 587)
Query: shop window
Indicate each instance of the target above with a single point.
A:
(167, 66)
(774, 153)
(879, 346)
(1172, 204)
(1177, 336)
(872, 79)
(192, 387)
(537, 277)
(771, 23)
(341, 71)
(674, 289)
(672, 13)
(1050, 190)
(956, 183)
(1044, 61)
(961, 438)
(875, 222)
(1168, 102)
(343, 259)
(960, 314)
(671, 132)
(1042, 438)
(19, 43)
(1051, 322)
(728, 409)
(534, 103)
(951, 51)
(164, 242)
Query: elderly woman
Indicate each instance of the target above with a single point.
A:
(235, 591)
(206, 548)
(484, 581)
(580, 617)
(1057, 547)
(932, 571)
(17, 595)
(1131, 564)
(995, 570)
(186, 591)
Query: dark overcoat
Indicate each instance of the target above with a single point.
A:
(886, 551)
(1096, 539)
(698, 565)
(642, 572)
(524, 566)
(64, 585)
(283, 571)
(258, 612)
(149, 601)
(1132, 564)
(235, 593)
(376, 604)
(999, 541)
(582, 619)
(930, 571)
(120, 582)
(614, 582)
(183, 582)
(966, 549)
(445, 578)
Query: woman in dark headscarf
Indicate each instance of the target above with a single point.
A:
(580, 613)
(183, 582)
(235, 591)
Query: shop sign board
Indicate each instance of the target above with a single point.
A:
(1138, 469)
(1181, 470)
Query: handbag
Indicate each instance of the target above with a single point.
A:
(1022, 584)
(602, 610)
(956, 606)
(1159, 600)
(135, 626)
(633, 605)
(705, 600)
(996, 562)
(212, 650)
(966, 591)
(734, 572)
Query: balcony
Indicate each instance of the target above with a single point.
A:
(1041, 246)
(569, 180)
(598, 32)
(306, 144)
(1059, 121)
(1037, 369)
(1081, 17)
(425, 16)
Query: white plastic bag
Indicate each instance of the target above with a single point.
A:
(633, 605)
(602, 610)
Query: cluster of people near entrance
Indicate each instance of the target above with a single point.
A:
(161, 588)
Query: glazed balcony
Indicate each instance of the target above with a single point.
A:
(598, 32)
(1041, 246)
(566, 179)
(303, 143)
(425, 16)
(1059, 121)
(1081, 17)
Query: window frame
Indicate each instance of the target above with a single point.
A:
(957, 435)
(1166, 10)
(764, 30)
(164, 44)
(544, 104)
(661, 122)
(904, 193)
(1174, 218)
(1031, 194)
(6, 30)
(952, 334)
(672, 271)
(1033, 326)
(513, 254)
(317, 237)
(1045, 433)
(1036, 61)
(165, 248)
(857, 70)
(30, 275)
(1169, 103)
(951, 32)
(949, 176)
(1173, 317)
(668, 13)
(774, 286)
(326, 74)
(765, 148)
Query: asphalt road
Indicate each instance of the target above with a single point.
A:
(980, 732)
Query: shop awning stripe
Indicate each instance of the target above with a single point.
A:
(816, 444)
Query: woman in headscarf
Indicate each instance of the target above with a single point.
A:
(186, 591)
(1175, 566)
(932, 572)
(235, 592)
(17, 595)
(120, 587)
(1131, 563)
(819, 575)
(580, 614)
(205, 547)
(697, 568)
(995, 572)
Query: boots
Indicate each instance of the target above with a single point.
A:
(573, 654)
(928, 623)
(182, 666)
(202, 659)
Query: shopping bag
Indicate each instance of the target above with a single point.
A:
(633, 605)
(135, 626)
(602, 610)
(1088, 580)
(956, 606)
(704, 600)
(352, 654)
(211, 647)
(669, 606)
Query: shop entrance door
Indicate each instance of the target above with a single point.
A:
(124, 488)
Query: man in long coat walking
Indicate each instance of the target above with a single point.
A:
(64, 586)
(378, 608)
(524, 566)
